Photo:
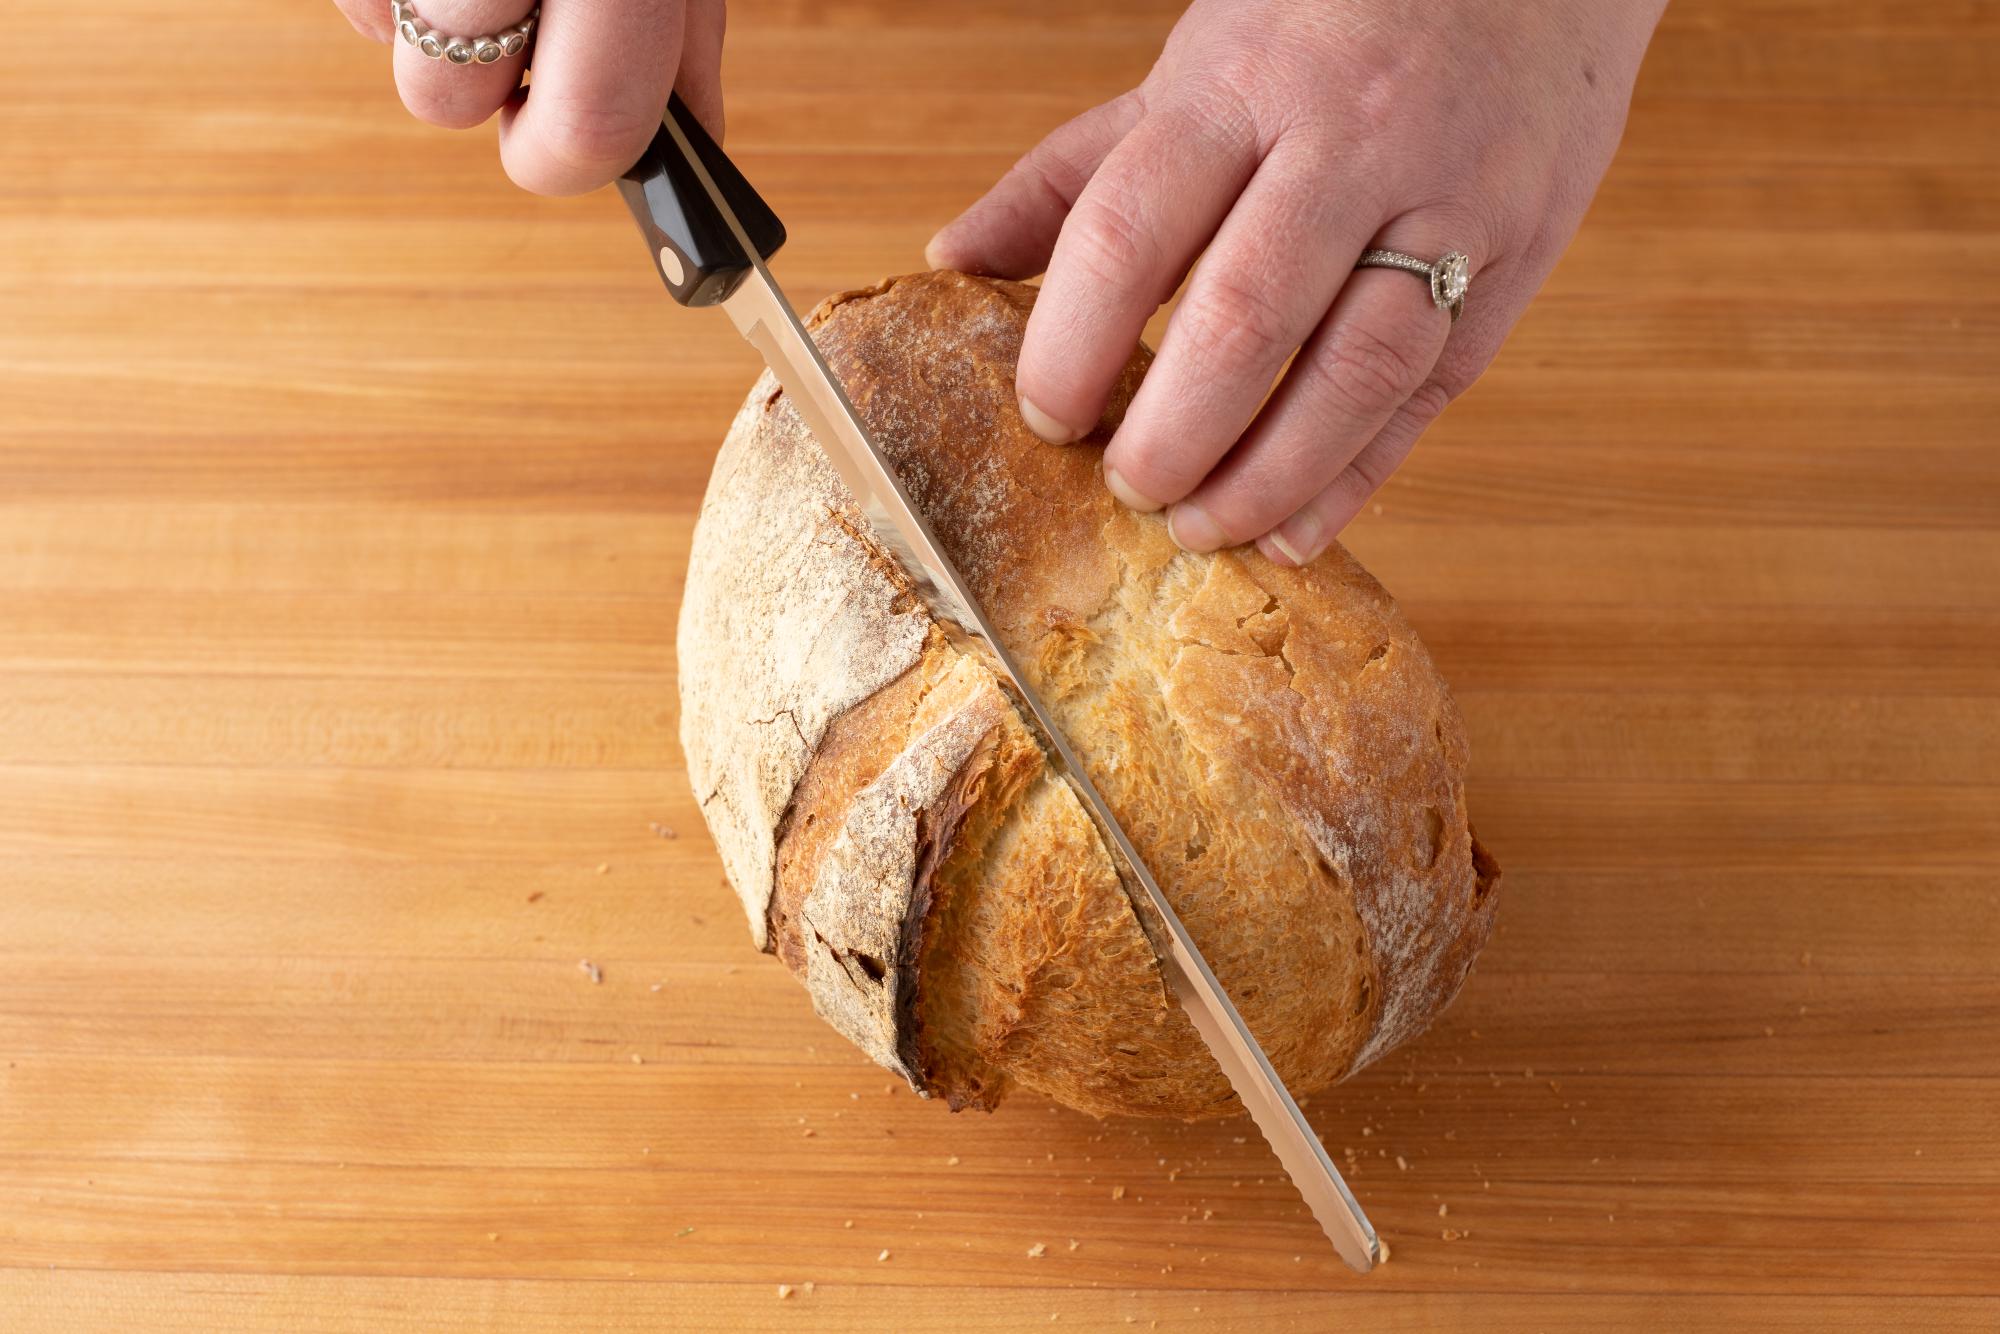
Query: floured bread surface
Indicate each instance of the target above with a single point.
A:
(1276, 742)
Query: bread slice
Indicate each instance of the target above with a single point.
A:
(1276, 742)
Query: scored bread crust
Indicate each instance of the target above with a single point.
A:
(1276, 742)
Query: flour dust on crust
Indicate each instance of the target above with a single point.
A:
(1276, 742)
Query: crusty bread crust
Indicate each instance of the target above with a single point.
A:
(1277, 742)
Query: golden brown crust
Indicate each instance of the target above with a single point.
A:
(1276, 742)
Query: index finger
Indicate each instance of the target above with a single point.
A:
(1148, 211)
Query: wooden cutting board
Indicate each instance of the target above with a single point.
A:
(344, 499)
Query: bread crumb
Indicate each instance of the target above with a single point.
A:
(1382, 1245)
(602, 867)
(1117, 1192)
(809, 1287)
(784, 1291)
(663, 831)
(809, 1132)
(637, 1059)
(591, 971)
(883, 1256)
(848, 1223)
(951, 1161)
(1073, 1241)
(535, 897)
(1443, 1209)
(1453, 1234)
(493, 1236)
(1037, 1251)
(1402, 1163)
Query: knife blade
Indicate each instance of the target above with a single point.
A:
(710, 234)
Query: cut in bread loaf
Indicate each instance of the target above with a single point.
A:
(1276, 742)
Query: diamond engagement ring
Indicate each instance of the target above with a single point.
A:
(1449, 277)
(461, 50)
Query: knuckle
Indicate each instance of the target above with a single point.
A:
(1231, 328)
(1048, 165)
(590, 137)
(1366, 374)
(1367, 474)
(1462, 365)
(1429, 400)
(1065, 162)
(1107, 242)
(1221, 114)
(1370, 470)
(1378, 106)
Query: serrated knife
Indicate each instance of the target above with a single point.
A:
(709, 233)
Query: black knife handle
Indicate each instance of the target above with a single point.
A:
(694, 250)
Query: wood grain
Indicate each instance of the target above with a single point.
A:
(337, 726)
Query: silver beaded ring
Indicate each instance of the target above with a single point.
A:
(461, 50)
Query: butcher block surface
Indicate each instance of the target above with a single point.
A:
(364, 965)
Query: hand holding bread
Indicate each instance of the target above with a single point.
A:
(1275, 741)
(1273, 142)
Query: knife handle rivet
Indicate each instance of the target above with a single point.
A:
(670, 265)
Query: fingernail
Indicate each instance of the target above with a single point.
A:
(1192, 530)
(1127, 494)
(1303, 544)
(1045, 426)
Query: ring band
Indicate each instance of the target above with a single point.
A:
(461, 50)
(1449, 278)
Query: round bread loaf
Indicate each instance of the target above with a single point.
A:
(1275, 741)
